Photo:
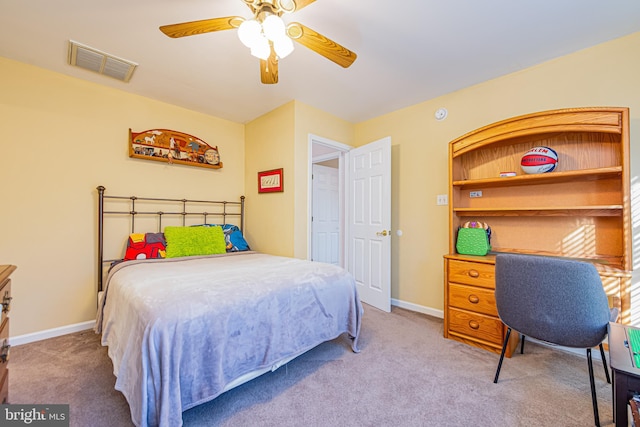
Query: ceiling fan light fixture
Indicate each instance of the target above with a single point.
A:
(273, 27)
(261, 49)
(267, 36)
(283, 46)
(250, 33)
(287, 6)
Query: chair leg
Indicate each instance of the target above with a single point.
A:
(504, 349)
(594, 399)
(604, 363)
(522, 344)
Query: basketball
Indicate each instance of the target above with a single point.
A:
(539, 160)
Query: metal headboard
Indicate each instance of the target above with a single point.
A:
(223, 210)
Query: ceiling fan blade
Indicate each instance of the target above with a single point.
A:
(269, 69)
(302, 3)
(320, 44)
(200, 27)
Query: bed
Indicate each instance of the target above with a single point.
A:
(182, 330)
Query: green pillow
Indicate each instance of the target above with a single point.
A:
(188, 241)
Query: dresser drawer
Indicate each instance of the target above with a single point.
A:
(476, 326)
(471, 273)
(480, 300)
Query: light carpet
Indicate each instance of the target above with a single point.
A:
(406, 374)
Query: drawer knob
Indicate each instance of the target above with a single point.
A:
(473, 299)
(474, 273)
(4, 352)
(6, 302)
(473, 324)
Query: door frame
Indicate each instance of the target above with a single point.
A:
(333, 150)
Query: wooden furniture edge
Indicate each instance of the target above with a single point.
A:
(6, 270)
(542, 122)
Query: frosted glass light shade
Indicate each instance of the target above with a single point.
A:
(261, 48)
(273, 27)
(249, 32)
(283, 46)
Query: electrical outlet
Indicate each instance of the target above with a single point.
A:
(473, 194)
(442, 199)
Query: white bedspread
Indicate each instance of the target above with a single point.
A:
(180, 330)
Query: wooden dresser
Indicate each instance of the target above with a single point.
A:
(472, 316)
(581, 210)
(5, 299)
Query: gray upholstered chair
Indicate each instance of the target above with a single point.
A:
(556, 300)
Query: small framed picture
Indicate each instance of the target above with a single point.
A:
(270, 181)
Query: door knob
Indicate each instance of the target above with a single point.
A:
(383, 233)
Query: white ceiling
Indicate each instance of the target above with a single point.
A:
(408, 51)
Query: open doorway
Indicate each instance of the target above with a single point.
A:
(358, 234)
(327, 200)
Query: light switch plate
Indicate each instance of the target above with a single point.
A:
(442, 199)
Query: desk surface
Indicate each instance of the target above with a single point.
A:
(626, 377)
(619, 352)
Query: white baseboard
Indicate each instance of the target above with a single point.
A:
(51, 333)
(418, 308)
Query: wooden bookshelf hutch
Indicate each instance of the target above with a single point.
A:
(580, 210)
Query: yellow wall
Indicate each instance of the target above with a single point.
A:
(269, 142)
(604, 75)
(62, 137)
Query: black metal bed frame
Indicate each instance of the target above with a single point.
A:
(180, 204)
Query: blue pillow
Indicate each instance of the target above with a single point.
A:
(236, 239)
(233, 237)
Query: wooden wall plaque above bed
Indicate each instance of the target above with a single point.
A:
(170, 146)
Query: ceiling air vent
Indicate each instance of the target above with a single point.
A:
(100, 62)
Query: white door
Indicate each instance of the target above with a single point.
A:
(370, 222)
(325, 221)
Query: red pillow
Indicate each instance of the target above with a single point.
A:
(145, 246)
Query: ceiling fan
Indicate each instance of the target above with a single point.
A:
(267, 36)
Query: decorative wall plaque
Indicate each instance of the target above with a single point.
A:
(170, 146)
